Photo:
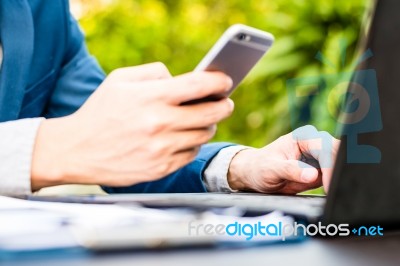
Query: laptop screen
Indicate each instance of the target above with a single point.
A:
(365, 187)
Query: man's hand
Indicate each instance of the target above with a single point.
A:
(132, 129)
(296, 162)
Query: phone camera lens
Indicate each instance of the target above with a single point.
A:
(241, 37)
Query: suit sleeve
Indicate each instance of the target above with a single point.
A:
(79, 76)
(188, 179)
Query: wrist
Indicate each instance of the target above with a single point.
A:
(237, 172)
(48, 160)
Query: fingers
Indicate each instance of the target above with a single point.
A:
(202, 115)
(182, 158)
(178, 141)
(195, 85)
(172, 163)
(296, 171)
(152, 71)
(319, 145)
(186, 140)
(289, 177)
(297, 176)
(315, 144)
(294, 188)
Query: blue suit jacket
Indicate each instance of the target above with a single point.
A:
(47, 71)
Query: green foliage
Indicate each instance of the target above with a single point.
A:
(180, 32)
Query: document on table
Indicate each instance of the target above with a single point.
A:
(35, 225)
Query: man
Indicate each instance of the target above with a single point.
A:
(131, 134)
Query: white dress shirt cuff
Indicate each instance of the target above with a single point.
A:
(17, 140)
(215, 176)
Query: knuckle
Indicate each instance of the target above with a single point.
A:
(157, 149)
(305, 133)
(309, 130)
(153, 149)
(155, 125)
(161, 68)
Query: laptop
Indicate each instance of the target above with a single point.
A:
(365, 187)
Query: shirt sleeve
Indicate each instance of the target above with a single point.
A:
(17, 139)
(215, 176)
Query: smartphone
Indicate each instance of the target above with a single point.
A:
(235, 54)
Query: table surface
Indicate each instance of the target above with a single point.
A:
(314, 251)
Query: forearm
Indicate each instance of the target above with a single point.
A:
(49, 167)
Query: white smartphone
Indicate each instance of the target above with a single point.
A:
(235, 53)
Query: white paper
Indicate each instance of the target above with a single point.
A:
(32, 225)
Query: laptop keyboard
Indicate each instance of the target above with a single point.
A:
(309, 206)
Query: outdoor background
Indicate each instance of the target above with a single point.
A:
(180, 32)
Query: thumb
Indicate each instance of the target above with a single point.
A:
(300, 172)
